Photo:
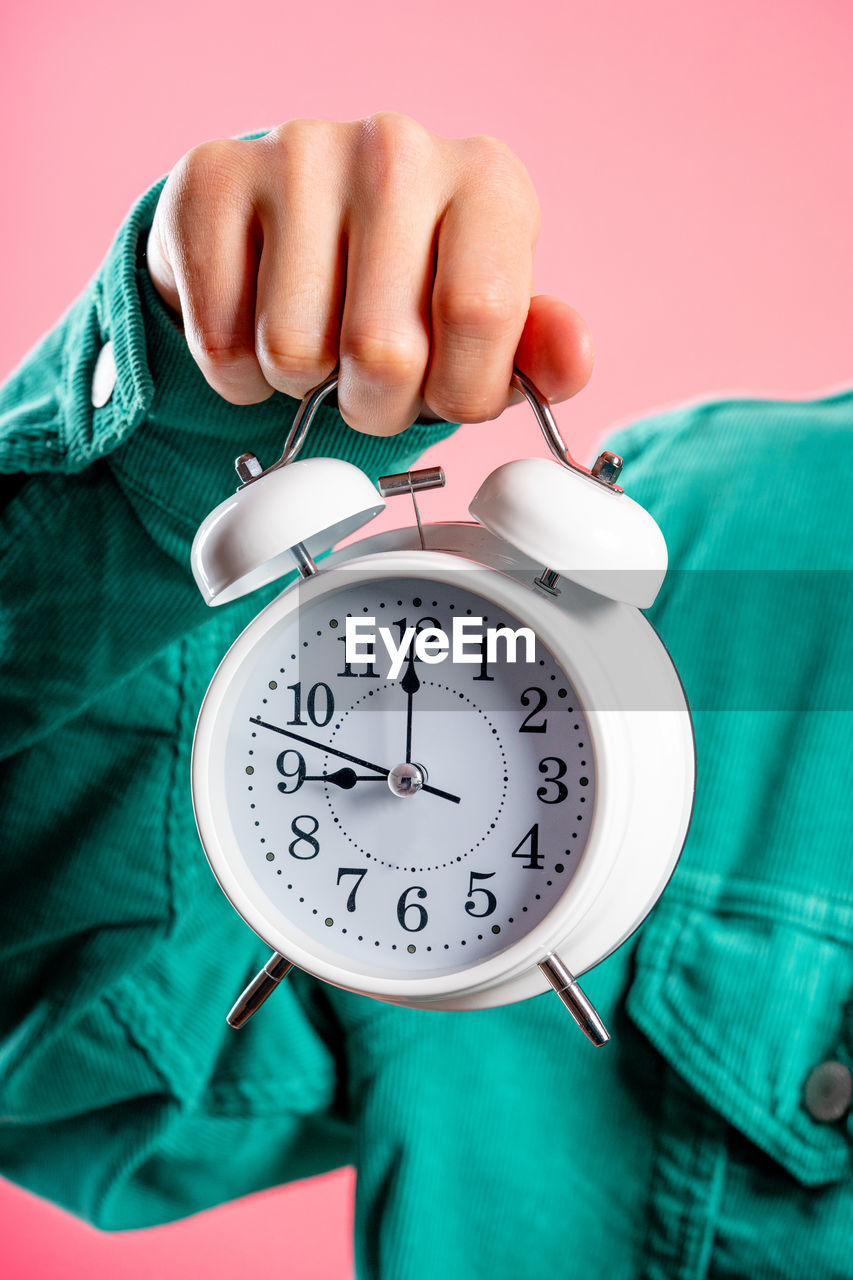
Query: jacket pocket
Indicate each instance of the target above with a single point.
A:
(743, 1006)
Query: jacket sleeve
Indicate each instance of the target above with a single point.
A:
(124, 1096)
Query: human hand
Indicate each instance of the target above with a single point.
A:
(402, 257)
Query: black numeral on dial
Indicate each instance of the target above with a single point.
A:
(305, 836)
(320, 709)
(484, 670)
(529, 848)
(404, 908)
(423, 624)
(560, 789)
(360, 873)
(541, 700)
(490, 901)
(369, 667)
(295, 774)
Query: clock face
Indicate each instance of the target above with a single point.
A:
(413, 823)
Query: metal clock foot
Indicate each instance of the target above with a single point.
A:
(262, 985)
(579, 1006)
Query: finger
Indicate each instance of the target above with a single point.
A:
(302, 268)
(385, 330)
(555, 350)
(159, 266)
(210, 238)
(484, 276)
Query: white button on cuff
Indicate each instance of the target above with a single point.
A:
(104, 376)
(828, 1092)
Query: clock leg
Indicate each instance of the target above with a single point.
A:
(579, 1006)
(262, 985)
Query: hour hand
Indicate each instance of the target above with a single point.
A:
(345, 778)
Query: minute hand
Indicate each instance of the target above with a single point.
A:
(410, 685)
(346, 755)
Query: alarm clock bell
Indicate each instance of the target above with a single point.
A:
(577, 523)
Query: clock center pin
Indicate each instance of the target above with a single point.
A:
(406, 779)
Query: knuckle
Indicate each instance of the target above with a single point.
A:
(210, 168)
(493, 163)
(222, 351)
(393, 128)
(493, 310)
(395, 358)
(297, 140)
(295, 355)
(391, 145)
(457, 405)
(293, 131)
(493, 150)
(300, 157)
(495, 158)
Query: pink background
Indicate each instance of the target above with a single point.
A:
(694, 168)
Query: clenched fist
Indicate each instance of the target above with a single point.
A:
(375, 245)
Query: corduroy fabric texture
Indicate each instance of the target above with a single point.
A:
(495, 1144)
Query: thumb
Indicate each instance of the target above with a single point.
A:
(555, 349)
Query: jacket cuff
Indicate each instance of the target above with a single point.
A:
(109, 311)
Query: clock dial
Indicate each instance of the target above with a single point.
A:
(418, 821)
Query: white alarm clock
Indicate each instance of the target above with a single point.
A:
(450, 766)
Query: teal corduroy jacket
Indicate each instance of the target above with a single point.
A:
(495, 1144)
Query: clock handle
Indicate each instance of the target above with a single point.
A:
(579, 1005)
(262, 985)
(605, 470)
